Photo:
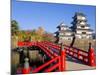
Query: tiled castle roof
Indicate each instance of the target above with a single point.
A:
(62, 25)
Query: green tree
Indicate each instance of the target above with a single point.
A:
(14, 27)
(48, 37)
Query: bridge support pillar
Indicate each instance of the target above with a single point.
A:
(62, 58)
(91, 58)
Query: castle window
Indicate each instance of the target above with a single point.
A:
(83, 32)
(82, 26)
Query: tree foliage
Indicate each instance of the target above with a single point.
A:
(30, 35)
(14, 27)
(40, 31)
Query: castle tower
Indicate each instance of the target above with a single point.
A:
(80, 27)
(64, 33)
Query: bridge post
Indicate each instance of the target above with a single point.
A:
(62, 58)
(26, 69)
(91, 56)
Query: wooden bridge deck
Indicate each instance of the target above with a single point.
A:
(73, 65)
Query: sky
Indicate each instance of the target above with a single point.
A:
(31, 15)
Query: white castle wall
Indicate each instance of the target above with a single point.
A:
(83, 28)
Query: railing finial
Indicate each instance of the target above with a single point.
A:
(26, 69)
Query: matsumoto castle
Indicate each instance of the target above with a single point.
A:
(80, 29)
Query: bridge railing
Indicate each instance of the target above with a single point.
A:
(86, 57)
(56, 61)
(51, 68)
(46, 50)
(80, 55)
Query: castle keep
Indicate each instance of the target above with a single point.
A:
(80, 29)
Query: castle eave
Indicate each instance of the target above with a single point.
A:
(84, 29)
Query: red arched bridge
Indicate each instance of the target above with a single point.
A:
(57, 54)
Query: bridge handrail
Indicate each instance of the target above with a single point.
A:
(54, 57)
(50, 43)
(46, 64)
(84, 56)
(66, 47)
(54, 54)
(47, 50)
(75, 48)
(22, 44)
